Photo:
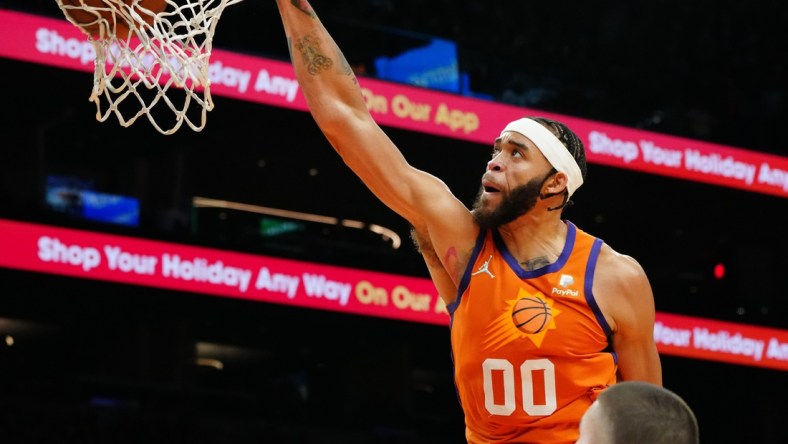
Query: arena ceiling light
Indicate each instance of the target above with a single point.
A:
(387, 233)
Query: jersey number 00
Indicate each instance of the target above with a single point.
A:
(505, 369)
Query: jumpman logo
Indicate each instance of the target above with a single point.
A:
(485, 268)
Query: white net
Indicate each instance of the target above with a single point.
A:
(159, 68)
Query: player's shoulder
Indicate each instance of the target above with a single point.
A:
(614, 261)
(618, 268)
(621, 288)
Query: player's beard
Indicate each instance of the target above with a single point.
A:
(517, 202)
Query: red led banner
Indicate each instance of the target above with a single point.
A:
(128, 260)
(721, 341)
(58, 43)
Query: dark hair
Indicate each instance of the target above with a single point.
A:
(648, 414)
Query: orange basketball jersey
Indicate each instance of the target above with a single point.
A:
(516, 386)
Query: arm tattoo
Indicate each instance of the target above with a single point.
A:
(304, 7)
(451, 257)
(343, 66)
(309, 47)
(533, 264)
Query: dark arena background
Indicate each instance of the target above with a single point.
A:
(126, 354)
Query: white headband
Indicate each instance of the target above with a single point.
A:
(554, 151)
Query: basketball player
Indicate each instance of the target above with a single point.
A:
(519, 378)
(635, 411)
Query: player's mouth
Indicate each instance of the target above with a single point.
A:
(490, 187)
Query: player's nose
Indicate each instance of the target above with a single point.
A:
(495, 164)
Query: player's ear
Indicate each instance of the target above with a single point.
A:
(555, 184)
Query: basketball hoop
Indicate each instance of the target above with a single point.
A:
(150, 62)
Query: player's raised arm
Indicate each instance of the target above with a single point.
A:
(337, 105)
